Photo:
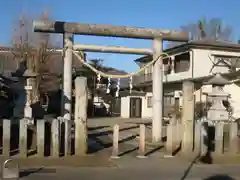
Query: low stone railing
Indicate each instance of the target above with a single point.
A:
(53, 138)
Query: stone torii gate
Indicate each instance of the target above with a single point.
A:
(157, 35)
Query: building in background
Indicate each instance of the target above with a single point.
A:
(196, 61)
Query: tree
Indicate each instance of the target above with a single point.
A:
(33, 50)
(212, 29)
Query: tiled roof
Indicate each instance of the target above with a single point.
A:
(217, 43)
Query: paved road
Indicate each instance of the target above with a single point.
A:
(142, 169)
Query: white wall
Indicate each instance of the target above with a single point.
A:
(234, 99)
(125, 106)
(202, 63)
(146, 111)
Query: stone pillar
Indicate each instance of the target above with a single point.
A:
(157, 86)
(81, 103)
(142, 146)
(234, 139)
(23, 137)
(115, 150)
(55, 145)
(68, 137)
(188, 116)
(6, 137)
(219, 138)
(67, 76)
(40, 137)
(197, 137)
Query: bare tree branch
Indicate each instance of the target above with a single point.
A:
(31, 48)
(212, 29)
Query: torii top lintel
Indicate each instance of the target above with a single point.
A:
(108, 30)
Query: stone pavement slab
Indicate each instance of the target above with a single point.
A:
(127, 174)
(142, 169)
(99, 160)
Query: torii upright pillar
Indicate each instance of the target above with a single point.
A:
(157, 89)
(67, 77)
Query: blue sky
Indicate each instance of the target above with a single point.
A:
(169, 14)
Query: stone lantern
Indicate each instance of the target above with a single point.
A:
(218, 116)
(28, 74)
(217, 112)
